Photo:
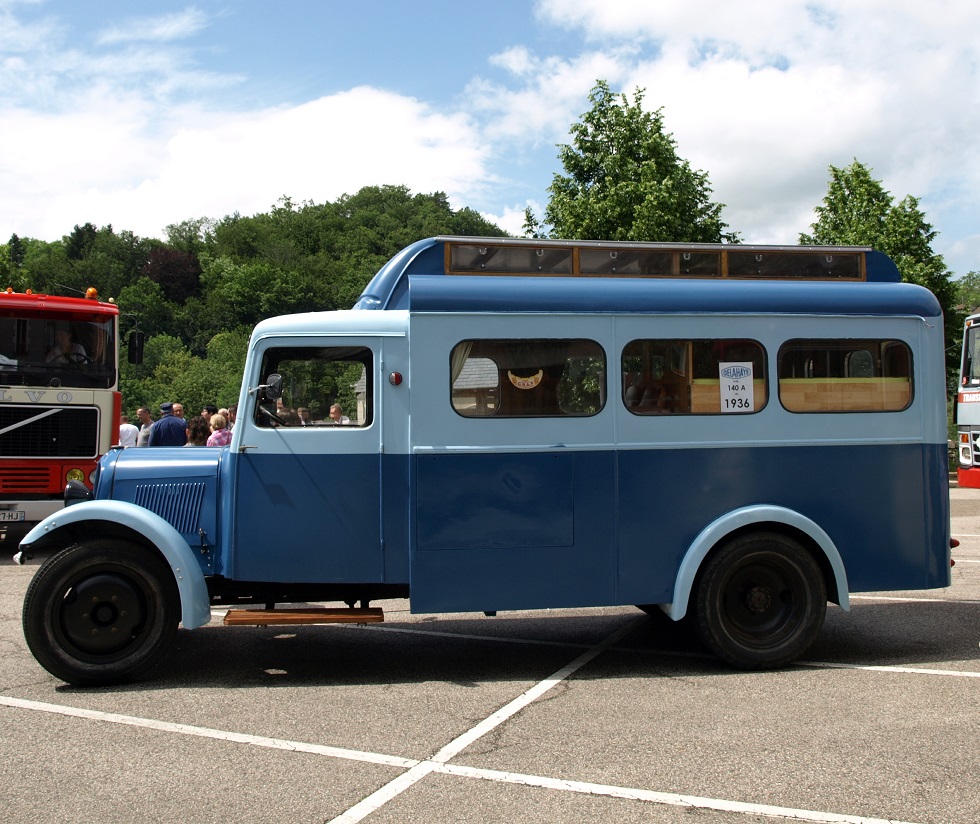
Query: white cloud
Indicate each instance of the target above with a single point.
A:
(511, 218)
(551, 94)
(765, 96)
(156, 29)
(110, 168)
(123, 135)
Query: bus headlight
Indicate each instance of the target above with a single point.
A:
(965, 450)
(75, 475)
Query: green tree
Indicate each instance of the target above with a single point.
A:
(80, 241)
(625, 181)
(178, 272)
(110, 263)
(9, 276)
(192, 236)
(45, 266)
(17, 250)
(968, 293)
(142, 305)
(532, 226)
(858, 211)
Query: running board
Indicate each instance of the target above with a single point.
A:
(265, 617)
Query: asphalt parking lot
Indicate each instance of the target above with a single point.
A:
(592, 715)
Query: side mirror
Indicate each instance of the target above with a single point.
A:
(136, 340)
(273, 387)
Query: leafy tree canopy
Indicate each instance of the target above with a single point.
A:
(858, 211)
(968, 293)
(625, 181)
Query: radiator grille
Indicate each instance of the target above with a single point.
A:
(26, 480)
(179, 504)
(49, 431)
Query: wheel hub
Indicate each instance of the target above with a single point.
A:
(103, 613)
(758, 599)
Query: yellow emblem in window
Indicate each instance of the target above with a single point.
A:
(525, 383)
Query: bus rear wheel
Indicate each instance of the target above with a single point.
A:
(760, 601)
(100, 612)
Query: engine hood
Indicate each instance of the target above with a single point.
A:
(123, 469)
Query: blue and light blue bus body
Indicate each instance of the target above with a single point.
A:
(600, 508)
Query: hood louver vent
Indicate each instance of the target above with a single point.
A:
(177, 503)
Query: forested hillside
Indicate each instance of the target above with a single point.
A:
(198, 294)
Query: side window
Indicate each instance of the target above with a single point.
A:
(845, 375)
(694, 377)
(321, 387)
(527, 378)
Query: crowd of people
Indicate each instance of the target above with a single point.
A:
(212, 427)
(301, 415)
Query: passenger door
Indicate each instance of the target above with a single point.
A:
(307, 495)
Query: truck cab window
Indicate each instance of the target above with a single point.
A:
(322, 387)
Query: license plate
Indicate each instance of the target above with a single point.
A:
(11, 514)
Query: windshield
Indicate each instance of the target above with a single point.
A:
(970, 369)
(57, 349)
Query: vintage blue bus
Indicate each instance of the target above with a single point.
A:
(731, 435)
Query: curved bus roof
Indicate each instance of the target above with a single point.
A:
(587, 261)
(568, 295)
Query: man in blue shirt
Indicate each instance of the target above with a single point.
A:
(168, 430)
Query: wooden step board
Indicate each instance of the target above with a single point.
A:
(320, 615)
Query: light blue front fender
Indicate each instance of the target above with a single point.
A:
(195, 604)
(730, 522)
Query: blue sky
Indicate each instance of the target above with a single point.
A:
(145, 114)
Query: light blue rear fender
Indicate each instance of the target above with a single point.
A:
(195, 604)
(760, 514)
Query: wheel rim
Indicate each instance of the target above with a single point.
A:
(102, 614)
(764, 600)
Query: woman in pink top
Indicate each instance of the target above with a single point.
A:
(220, 433)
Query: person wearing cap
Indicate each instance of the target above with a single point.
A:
(168, 430)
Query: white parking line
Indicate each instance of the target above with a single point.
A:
(889, 668)
(394, 788)
(205, 732)
(910, 600)
(416, 770)
(671, 799)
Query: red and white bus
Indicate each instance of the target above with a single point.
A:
(967, 412)
(59, 400)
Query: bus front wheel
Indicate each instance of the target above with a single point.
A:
(100, 612)
(760, 601)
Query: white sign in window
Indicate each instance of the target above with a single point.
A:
(737, 390)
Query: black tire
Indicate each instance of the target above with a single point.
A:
(101, 612)
(760, 601)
